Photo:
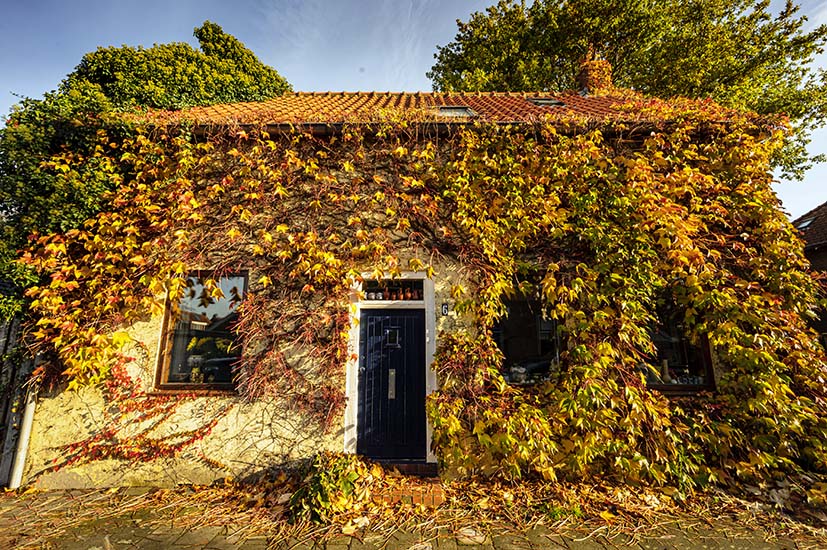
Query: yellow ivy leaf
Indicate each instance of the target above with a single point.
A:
(121, 338)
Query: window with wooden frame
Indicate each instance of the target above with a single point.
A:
(199, 346)
(680, 364)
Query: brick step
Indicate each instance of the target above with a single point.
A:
(426, 491)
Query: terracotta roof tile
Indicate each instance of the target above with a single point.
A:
(339, 107)
(815, 232)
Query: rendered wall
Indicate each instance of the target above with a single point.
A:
(247, 438)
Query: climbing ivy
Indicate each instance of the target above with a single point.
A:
(599, 219)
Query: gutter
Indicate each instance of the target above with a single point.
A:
(635, 130)
(16, 476)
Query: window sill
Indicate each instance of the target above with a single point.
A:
(681, 389)
(199, 391)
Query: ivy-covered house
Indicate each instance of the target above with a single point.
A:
(512, 285)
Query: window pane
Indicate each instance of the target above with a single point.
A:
(393, 289)
(678, 361)
(204, 347)
(529, 342)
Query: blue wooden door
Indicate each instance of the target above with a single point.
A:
(391, 423)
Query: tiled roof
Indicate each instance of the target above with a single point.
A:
(814, 232)
(339, 107)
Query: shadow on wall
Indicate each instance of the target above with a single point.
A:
(116, 436)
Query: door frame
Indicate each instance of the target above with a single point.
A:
(352, 369)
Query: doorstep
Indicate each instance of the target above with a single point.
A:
(415, 491)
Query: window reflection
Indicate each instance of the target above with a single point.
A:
(530, 343)
(204, 348)
(678, 361)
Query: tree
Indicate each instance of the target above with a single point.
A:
(85, 112)
(173, 76)
(734, 51)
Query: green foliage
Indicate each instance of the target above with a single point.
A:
(30, 196)
(333, 483)
(33, 196)
(737, 53)
(173, 76)
(38, 195)
(601, 222)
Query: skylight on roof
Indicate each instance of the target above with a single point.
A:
(546, 101)
(457, 111)
(803, 224)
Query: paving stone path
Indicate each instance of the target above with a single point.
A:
(132, 530)
(207, 538)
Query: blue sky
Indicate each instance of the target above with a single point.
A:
(318, 45)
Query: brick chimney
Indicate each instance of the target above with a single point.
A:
(595, 76)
